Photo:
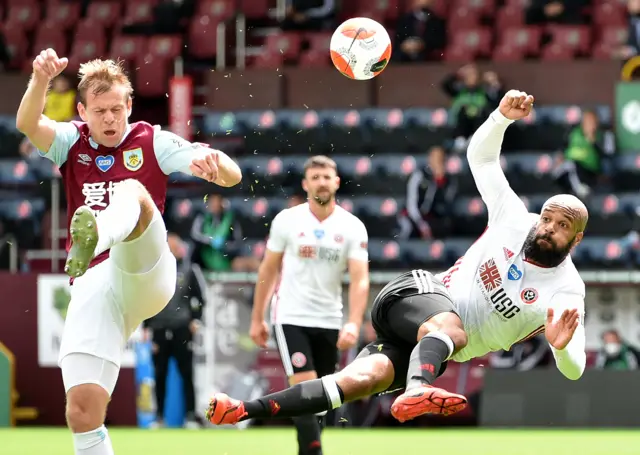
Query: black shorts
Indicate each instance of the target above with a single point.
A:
(307, 349)
(396, 320)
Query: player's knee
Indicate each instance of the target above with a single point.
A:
(86, 407)
(132, 188)
(458, 336)
(366, 377)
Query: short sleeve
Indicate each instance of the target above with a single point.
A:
(359, 244)
(67, 134)
(175, 154)
(277, 241)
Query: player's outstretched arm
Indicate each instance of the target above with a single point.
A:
(483, 155)
(175, 154)
(30, 120)
(565, 333)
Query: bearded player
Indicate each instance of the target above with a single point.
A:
(515, 281)
(115, 178)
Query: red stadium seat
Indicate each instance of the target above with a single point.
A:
(475, 41)
(460, 54)
(17, 45)
(522, 4)
(439, 7)
(614, 35)
(314, 58)
(486, 8)
(603, 51)
(220, 10)
(386, 9)
(106, 13)
(371, 13)
(63, 15)
(165, 46)
(575, 38)
(269, 60)
(128, 47)
(50, 35)
(139, 11)
(255, 9)
(509, 16)
(152, 76)
(89, 28)
(288, 44)
(319, 41)
(463, 18)
(85, 49)
(525, 38)
(557, 52)
(202, 40)
(507, 53)
(24, 15)
(609, 13)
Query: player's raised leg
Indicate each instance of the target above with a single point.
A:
(128, 214)
(367, 375)
(438, 339)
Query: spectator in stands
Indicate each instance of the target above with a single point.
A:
(556, 11)
(169, 17)
(632, 48)
(587, 152)
(430, 195)
(473, 99)
(420, 34)
(172, 330)
(615, 353)
(309, 15)
(60, 104)
(218, 236)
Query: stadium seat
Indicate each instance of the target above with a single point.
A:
(485, 8)
(463, 17)
(318, 41)
(219, 10)
(386, 10)
(203, 37)
(128, 47)
(507, 53)
(469, 43)
(50, 35)
(557, 52)
(17, 45)
(14, 172)
(575, 38)
(255, 9)
(23, 15)
(152, 76)
(85, 49)
(314, 59)
(508, 17)
(105, 12)
(63, 14)
(267, 60)
(139, 11)
(521, 39)
(609, 13)
(165, 46)
(88, 29)
(287, 44)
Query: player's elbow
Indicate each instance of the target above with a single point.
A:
(24, 126)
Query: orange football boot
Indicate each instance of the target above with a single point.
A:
(224, 410)
(426, 400)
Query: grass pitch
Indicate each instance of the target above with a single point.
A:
(31, 441)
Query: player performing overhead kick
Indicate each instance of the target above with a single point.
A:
(115, 179)
(514, 282)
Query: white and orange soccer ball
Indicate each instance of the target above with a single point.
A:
(360, 48)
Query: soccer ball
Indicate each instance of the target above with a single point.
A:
(360, 48)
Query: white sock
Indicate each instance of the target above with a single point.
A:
(117, 221)
(96, 442)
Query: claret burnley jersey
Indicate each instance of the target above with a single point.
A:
(316, 255)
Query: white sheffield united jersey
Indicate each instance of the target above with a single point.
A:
(501, 298)
(316, 255)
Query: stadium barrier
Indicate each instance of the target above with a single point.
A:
(223, 350)
(544, 398)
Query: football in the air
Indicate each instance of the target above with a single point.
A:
(360, 48)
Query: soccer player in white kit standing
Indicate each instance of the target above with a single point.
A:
(115, 178)
(515, 281)
(311, 245)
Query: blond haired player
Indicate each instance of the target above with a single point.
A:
(115, 178)
(515, 281)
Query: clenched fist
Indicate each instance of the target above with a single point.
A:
(516, 105)
(207, 167)
(47, 65)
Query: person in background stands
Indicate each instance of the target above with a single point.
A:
(172, 330)
(430, 196)
(420, 34)
(615, 353)
(309, 15)
(556, 11)
(60, 104)
(218, 236)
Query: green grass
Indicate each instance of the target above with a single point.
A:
(28, 441)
